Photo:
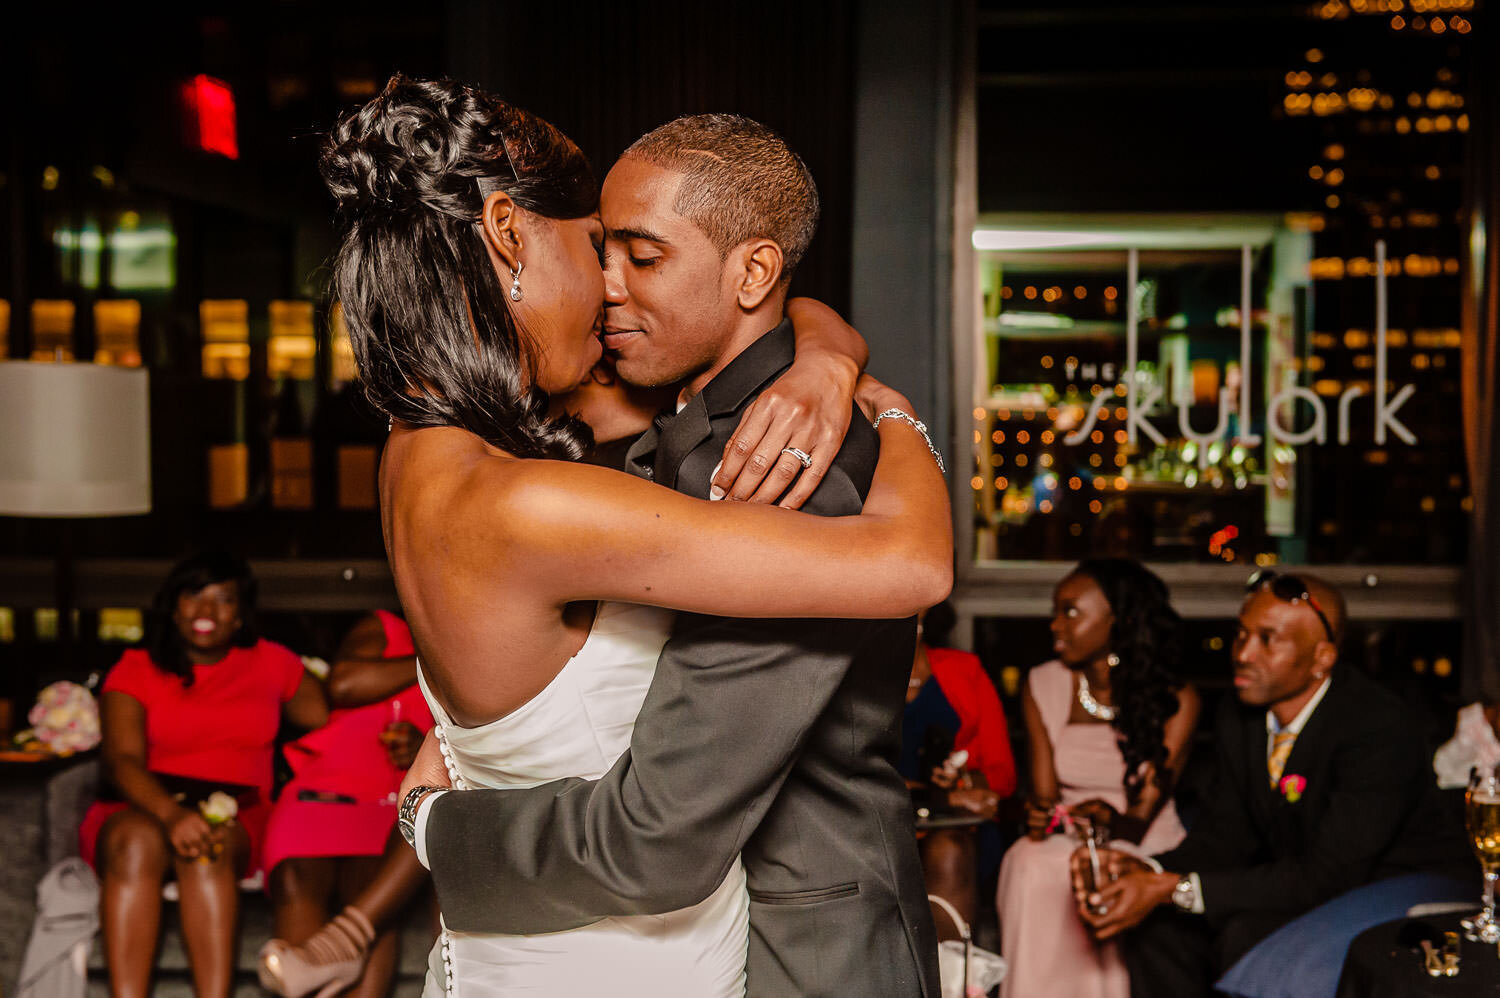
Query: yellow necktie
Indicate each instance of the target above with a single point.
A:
(1281, 747)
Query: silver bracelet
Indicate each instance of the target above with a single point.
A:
(917, 425)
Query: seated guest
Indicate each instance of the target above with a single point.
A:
(1109, 726)
(1323, 786)
(194, 711)
(330, 826)
(952, 708)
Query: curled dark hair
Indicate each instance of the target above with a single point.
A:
(1147, 636)
(163, 641)
(427, 315)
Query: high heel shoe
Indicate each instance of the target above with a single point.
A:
(329, 962)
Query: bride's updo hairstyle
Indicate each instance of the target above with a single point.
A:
(428, 316)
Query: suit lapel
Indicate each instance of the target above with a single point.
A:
(1309, 744)
(673, 437)
(1262, 797)
(755, 366)
(640, 459)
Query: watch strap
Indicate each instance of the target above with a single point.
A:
(406, 815)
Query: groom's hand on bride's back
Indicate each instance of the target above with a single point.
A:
(427, 770)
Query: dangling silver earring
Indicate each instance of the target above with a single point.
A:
(515, 282)
(1113, 661)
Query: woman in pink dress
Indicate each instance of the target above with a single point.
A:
(1109, 727)
(331, 825)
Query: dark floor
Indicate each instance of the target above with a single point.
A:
(40, 809)
(173, 981)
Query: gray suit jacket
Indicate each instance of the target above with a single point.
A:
(774, 739)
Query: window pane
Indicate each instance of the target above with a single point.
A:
(1247, 434)
(226, 338)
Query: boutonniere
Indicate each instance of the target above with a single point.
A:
(1292, 786)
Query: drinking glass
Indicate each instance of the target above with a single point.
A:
(1482, 820)
(1094, 836)
(395, 719)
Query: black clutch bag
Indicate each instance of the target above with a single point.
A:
(937, 745)
(190, 791)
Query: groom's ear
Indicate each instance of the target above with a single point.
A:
(760, 262)
(498, 225)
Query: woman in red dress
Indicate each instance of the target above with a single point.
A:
(194, 711)
(333, 821)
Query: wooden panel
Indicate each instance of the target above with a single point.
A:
(357, 476)
(321, 586)
(291, 473)
(228, 475)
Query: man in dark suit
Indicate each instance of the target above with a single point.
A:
(1323, 785)
(771, 739)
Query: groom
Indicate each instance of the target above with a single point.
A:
(774, 739)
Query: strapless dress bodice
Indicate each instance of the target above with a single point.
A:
(578, 726)
(581, 722)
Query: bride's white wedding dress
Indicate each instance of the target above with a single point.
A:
(578, 726)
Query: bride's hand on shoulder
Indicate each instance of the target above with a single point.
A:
(808, 409)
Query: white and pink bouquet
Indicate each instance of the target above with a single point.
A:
(65, 718)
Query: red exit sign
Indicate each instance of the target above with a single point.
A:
(210, 109)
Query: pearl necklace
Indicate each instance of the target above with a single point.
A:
(1091, 706)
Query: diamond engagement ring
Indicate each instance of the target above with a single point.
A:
(800, 455)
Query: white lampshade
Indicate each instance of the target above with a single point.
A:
(75, 440)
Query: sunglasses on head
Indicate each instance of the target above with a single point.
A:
(1289, 589)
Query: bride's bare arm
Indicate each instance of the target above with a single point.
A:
(579, 532)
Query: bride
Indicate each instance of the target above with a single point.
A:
(531, 580)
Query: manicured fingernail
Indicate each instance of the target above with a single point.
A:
(716, 493)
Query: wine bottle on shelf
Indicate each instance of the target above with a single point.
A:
(229, 462)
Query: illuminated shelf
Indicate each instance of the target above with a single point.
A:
(1075, 329)
(1258, 481)
(1105, 329)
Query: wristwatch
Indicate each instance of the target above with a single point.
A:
(1185, 895)
(406, 816)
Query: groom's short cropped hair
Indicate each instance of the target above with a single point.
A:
(740, 180)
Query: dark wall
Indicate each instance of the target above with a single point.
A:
(1089, 106)
(901, 259)
(606, 73)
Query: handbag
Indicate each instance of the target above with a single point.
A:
(965, 970)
